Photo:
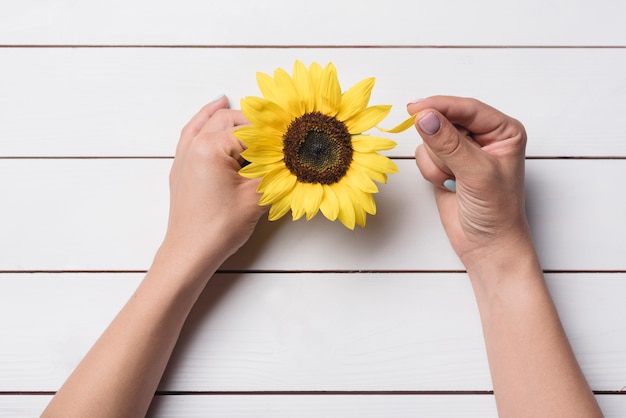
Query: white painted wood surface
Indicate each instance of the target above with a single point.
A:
(382, 316)
(320, 22)
(133, 102)
(110, 214)
(318, 406)
(263, 332)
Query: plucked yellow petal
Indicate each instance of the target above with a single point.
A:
(355, 99)
(329, 205)
(367, 119)
(329, 94)
(400, 128)
(367, 143)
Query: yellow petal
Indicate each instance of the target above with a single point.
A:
(290, 98)
(367, 119)
(249, 135)
(262, 156)
(268, 88)
(297, 201)
(363, 204)
(329, 94)
(315, 75)
(372, 174)
(346, 209)
(355, 99)
(269, 142)
(266, 114)
(365, 201)
(366, 143)
(276, 183)
(400, 128)
(279, 208)
(302, 80)
(375, 162)
(358, 179)
(253, 170)
(359, 215)
(312, 199)
(329, 204)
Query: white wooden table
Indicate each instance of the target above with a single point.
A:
(309, 319)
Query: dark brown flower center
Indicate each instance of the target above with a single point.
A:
(317, 148)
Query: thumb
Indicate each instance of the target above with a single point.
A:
(451, 145)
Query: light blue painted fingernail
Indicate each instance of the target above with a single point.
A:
(450, 185)
(219, 96)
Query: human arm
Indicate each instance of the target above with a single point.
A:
(213, 211)
(533, 368)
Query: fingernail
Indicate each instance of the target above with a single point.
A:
(216, 98)
(415, 101)
(450, 185)
(430, 124)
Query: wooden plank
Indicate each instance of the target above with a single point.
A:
(296, 332)
(110, 214)
(133, 102)
(318, 406)
(323, 22)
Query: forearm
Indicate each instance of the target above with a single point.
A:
(119, 375)
(533, 368)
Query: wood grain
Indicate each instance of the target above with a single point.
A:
(323, 22)
(319, 406)
(302, 331)
(92, 100)
(110, 214)
(134, 102)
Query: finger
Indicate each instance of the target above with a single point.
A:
(199, 119)
(453, 148)
(224, 120)
(192, 128)
(231, 148)
(432, 167)
(486, 123)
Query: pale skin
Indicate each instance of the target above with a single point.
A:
(533, 368)
(213, 212)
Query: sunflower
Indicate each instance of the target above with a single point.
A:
(306, 141)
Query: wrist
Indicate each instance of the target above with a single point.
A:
(186, 264)
(513, 261)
